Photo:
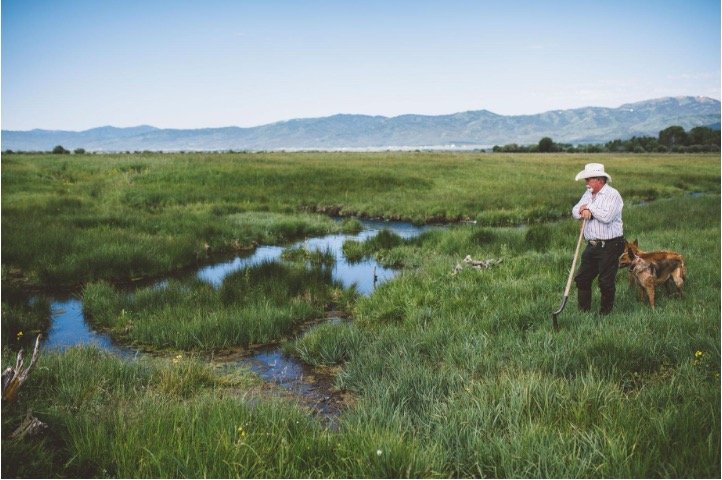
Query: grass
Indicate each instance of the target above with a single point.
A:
(257, 304)
(454, 375)
(71, 220)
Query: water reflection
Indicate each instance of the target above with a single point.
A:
(215, 274)
(365, 275)
(68, 327)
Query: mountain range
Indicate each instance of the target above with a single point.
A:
(465, 130)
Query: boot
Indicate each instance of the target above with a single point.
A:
(584, 299)
(607, 302)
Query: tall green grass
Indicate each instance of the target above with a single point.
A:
(257, 304)
(68, 221)
(156, 419)
(453, 374)
(469, 363)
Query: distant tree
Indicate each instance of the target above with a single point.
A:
(546, 145)
(703, 136)
(60, 150)
(79, 151)
(642, 144)
(615, 145)
(511, 148)
(672, 137)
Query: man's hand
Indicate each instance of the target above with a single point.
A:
(584, 212)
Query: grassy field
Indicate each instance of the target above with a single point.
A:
(68, 220)
(451, 374)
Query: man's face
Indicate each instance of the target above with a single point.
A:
(595, 184)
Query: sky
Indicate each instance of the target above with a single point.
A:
(81, 64)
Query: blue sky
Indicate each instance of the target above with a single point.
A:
(76, 64)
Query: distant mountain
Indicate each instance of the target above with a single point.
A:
(471, 129)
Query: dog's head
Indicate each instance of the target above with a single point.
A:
(631, 250)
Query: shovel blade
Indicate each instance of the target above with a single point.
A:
(555, 324)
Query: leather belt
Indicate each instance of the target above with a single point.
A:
(602, 243)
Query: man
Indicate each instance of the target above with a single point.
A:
(601, 205)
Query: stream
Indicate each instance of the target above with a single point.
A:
(69, 328)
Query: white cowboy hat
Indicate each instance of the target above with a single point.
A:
(593, 170)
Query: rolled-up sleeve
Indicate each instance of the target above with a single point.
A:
(586, 198)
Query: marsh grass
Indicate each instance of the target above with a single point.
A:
(257, 304)
(454, 375)
(161, 418)
(305, 256)
(468, 361)
(74, 220)
(385, 240)
(328, 344)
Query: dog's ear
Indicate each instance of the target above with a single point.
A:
(630, 252)
(635, 243)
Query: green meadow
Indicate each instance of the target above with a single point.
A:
(447, 372)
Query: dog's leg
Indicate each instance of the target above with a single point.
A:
(640, 291)
(678, 278)
(650, 294)
(668, 286)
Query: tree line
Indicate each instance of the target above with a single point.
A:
(672, 139)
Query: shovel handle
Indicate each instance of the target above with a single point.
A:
(569, 278)
(574, 262)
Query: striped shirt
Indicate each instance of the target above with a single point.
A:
(606, 207)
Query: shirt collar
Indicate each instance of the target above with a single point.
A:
(603, 189)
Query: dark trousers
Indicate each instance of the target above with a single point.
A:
(603, 262)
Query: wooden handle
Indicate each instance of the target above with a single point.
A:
(574, 262)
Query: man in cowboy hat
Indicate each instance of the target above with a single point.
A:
(601, 205)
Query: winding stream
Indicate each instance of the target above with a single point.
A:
(69, 328)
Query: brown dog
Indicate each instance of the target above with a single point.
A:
(649, 269)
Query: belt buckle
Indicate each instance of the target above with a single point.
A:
(597, 243)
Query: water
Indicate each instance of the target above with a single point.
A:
(69, 327)
(214, 274)
(365, 275)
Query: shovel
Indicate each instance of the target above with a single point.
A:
(569, 279)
